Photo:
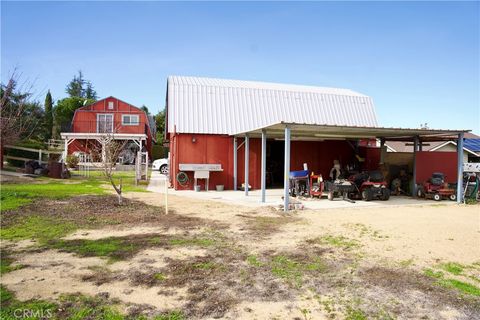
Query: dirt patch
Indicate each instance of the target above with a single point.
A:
(125, 248)
(261, 226)
(101, 275)
(229, 276)
(97, 211)
(409, 283)
(6, 178)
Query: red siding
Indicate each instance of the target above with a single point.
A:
(206, 149)
(219, 149)
(429, 162)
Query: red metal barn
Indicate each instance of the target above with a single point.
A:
(211, 124)
(110, 116)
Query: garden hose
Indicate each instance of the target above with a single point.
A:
(473, 194)
(182, 178)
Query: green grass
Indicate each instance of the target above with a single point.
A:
(127, 178)
(6, 264)
(205, 265)
(33, 309)
(292, 271)
(102, 312)
(337, 241)
(5, 295)
(113, 248)
(39, 228)
(160, 276)
(172, 315)
(453, 268)
(133, 188)
(461, 286)
(253, 261)
(433, 274)
(71, 307)
(201, 242)
(286, 268)
(355, 314)
(16, 195)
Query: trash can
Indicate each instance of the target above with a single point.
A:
(197, 188)
(55, 170)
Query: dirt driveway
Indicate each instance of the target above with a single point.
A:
(214, 260)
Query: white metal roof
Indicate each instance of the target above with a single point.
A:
(220, 106)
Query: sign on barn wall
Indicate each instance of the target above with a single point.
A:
(471, 167)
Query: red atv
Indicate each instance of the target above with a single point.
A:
(436, 188)
(371, 185)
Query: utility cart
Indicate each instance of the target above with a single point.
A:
(299, 183)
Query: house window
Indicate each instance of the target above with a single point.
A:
(110, 105)
(104, 123)
(130, 119)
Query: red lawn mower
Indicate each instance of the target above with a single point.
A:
(436, 188)
(365, 186)
(371, 185)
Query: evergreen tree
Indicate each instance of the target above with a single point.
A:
(145, 109)
(48, 115)
(75, 87)
(81, 88)
(90, 93)
(160, 122)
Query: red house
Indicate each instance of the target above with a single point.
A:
(111, 116)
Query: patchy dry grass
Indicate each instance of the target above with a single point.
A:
(7, 263)
(263, 226)
(217, 274)
(447, 282)
(123, 248)
(363, 230)
(75, 306)
(431, 284)
(335, 241)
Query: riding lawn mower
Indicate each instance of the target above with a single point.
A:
(436, 188)
(365, 186)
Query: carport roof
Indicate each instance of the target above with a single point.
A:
(303, 131)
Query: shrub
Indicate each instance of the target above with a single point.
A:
(72, 161)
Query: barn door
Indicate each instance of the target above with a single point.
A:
(105, 123)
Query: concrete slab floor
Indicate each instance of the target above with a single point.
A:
(274, 197)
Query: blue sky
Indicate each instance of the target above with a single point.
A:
(419, 61)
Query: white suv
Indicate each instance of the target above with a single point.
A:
(160, 165)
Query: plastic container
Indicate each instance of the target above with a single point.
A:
(197, 188)
(220, 187)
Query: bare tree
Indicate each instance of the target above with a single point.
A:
(108, 150)
(16, 119)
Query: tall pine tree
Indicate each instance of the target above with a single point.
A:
(81, 88)
(75, 87)
(48, 116)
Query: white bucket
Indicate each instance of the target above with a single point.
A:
(220, 187)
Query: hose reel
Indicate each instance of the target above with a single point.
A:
(182, 178)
